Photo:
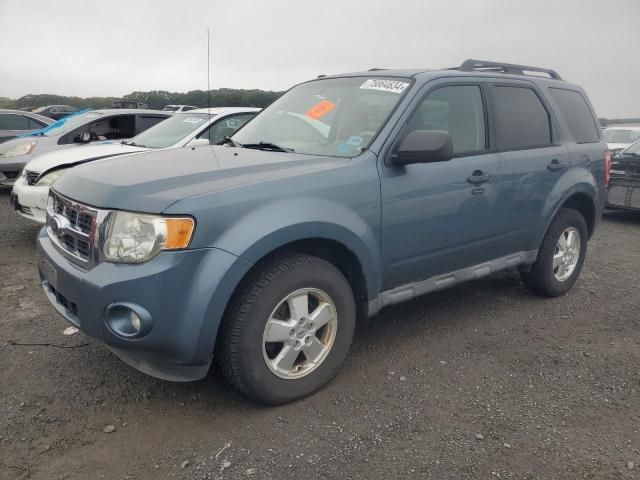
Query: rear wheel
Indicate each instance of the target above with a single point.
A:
(561, 255)
(288, 329)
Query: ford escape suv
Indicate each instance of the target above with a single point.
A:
(347, 194)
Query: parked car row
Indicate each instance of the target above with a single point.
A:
(624, 186)
(14, 123)
(72, 132)
(187, 129)
(620, 137)
(56, 112)
(347, 194)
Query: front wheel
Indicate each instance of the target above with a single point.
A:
(288, 329)
(560, 257)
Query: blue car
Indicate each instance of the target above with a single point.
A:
(346, 195)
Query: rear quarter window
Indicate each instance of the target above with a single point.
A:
(521, 119)
(577, 114)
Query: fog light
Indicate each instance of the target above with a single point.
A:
(128, 320)
(136, 323)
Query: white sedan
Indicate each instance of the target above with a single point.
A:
(185, 129)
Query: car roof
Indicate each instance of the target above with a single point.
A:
(443, 72)
(26, 114)
(221, 110)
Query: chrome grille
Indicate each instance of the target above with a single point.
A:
(617, 195)
(72, 227)
(31, 177)
(624, 196)
(634, 198)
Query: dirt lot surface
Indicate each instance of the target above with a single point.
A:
(484, 381)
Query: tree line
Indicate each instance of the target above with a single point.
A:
(617, 121)
(156, 99)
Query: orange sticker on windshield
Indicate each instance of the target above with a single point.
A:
(319, 109)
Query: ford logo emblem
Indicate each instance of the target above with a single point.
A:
(58, 224)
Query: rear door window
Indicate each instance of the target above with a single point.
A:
(521, 120)
(14, 122)
(577, 114)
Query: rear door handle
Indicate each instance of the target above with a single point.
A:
(479, 177)
(556, 165)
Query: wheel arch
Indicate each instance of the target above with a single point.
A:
(341, 251)
(584, 204)
(581, 198)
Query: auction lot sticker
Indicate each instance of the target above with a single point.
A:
(319, 109)
(393, 86)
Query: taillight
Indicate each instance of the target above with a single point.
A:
(607, 167)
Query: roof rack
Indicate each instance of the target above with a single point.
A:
(497, 67)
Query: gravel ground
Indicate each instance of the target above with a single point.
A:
(483, 381)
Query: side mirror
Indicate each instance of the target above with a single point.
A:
(84, 137)
(424, 146)
(198, 142)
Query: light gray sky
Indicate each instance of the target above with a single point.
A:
(110, 48)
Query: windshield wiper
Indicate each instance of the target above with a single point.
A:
(134, 144)
(630, 154)
(230, 141)
(272, 147)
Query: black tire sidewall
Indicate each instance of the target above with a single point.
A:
(261, 382)
(566, 218)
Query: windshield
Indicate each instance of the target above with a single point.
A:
(66, 124)
(170, 108)
(336, 117)
(621, 136)
(633, 149)
(170, 131)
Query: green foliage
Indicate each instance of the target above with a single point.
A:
(156, 99)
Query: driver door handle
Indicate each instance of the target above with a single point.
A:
(479, 177)
(556, 165)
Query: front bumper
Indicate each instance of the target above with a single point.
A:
(185, 293)
(9, 179)
(30, 201)
(11, 167)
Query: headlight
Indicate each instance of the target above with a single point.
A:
(50, 177)
(21, 149)
(137, 237)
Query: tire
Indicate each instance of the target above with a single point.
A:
(543, 278)
(246, 357)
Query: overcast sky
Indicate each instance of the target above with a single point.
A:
(113, 47)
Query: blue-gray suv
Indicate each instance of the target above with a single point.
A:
(347, 194)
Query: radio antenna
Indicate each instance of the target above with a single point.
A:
(208, 75)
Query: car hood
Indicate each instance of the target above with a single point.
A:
(41, 142)
(617, 146)
(74, 156)
(155, 180)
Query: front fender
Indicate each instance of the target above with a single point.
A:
(574, 181)
(272, 226)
